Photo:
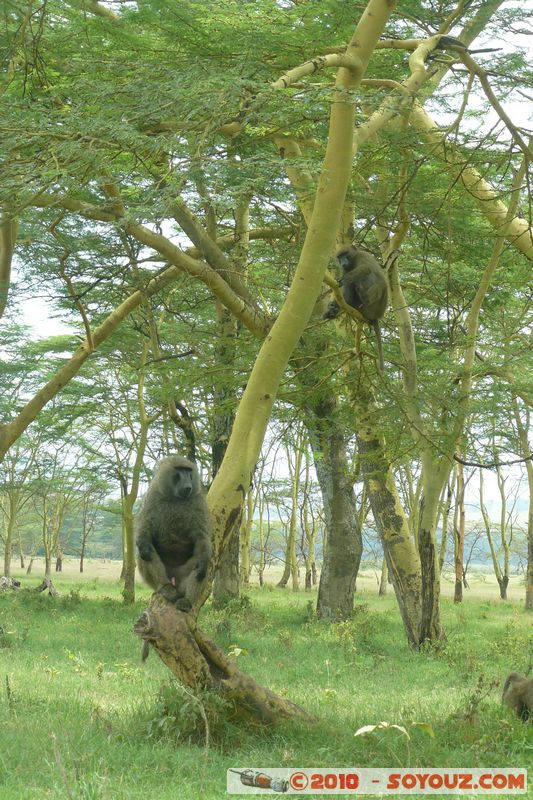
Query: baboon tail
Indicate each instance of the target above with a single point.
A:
(145, 650)
(377, 331)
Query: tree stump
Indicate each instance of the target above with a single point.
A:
(46, 584)
(198, 663)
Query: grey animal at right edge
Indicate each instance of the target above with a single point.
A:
(364, 287)
(518, 695)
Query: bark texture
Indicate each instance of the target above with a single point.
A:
(198, 663)
(226, 584)
(344, 542)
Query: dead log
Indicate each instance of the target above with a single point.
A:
(198, 663)
(8, 583)
(46, 584)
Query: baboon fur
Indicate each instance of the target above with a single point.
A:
(364, 287)
(173, 532)
(518, 695)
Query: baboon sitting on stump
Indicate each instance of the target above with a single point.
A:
(173, 530)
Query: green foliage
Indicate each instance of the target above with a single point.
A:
(181, 716)
(473, 705)
(6, 638)
(510, 644)
(234, 606)
(72, 599)
(359, 631)
(140, 102)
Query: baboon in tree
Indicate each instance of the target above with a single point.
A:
(364, 287)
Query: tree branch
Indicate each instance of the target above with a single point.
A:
(8, 236)
(493, 464)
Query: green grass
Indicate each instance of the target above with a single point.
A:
(81, 719)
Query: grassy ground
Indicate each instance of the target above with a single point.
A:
(81, 719)
(482, 585)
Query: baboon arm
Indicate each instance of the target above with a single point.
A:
(152, 570)
(351, 295)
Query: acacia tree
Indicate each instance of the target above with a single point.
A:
(128, 169)
(55, 496)
(522, 426)
(309, 525)
(446, 428)
(92, 494)
(119, 431)
(294, 462)
(16, 490)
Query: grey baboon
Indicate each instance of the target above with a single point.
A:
(364, 287)
(518, 694)
(173, 532)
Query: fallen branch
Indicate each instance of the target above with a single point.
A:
(198, 663)
(46, 584)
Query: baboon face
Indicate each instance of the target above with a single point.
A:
(176, 478)
(345, 259)
(181, 483)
